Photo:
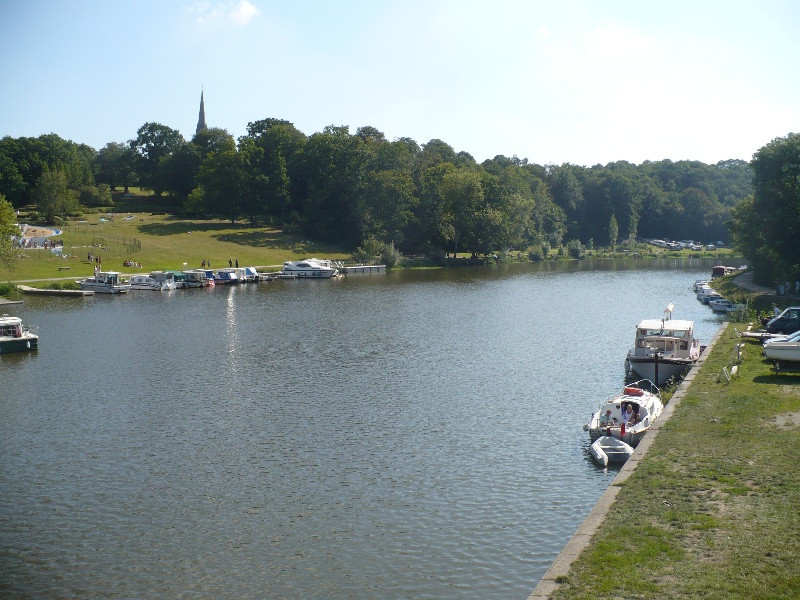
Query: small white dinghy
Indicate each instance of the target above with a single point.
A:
(607, 449)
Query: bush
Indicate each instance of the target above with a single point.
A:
(536, 254)
(390, 256)
(576, 249)
(10, 291)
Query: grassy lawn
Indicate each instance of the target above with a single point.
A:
(713, 510)
(160, 241)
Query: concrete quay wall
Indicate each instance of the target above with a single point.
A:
(583, 535)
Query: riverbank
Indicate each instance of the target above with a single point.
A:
(711, 509)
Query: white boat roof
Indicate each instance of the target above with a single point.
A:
(673, 324)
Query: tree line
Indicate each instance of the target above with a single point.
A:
(766, 225)
(356, 188)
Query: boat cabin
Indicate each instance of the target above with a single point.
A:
(10, 327)
(195, 278)
(673, 338)
(108, 277)
(611, 412)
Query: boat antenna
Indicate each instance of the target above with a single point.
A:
(668, 313)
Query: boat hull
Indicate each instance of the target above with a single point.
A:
(645, 367)
(783, 351)
(25, 343)
(100, 288)
(311, 273)
(608, 450)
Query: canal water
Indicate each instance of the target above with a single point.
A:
(414, 434)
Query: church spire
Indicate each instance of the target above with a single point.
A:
(201, 121)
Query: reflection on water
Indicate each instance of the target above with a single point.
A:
(414, 434)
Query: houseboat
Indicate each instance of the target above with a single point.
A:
(16, 338)
(663, 348)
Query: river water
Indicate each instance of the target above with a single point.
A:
(416, 434)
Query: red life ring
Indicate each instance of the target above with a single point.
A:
(632, 391)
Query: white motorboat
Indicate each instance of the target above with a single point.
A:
(157, 281)
(703, 291)
(104, 282)
(195, 278)
(310, 267)
(725, 306)
(792, 337)
(251, 274)
(612, 420)
(16, 338)
(710, 297)
(227, 276)
(608, 449)
(663, 348)
(783, 351)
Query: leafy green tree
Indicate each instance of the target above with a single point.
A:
(223, 184)
(282, 165)
(12, 184)
(53, 197)
(335, 206)
(153, 144)
(115, 165)
(463, 196)
(766, 227)
(178, 172)
(613, 233)
(213, 139)
(8, 230)
(94, 196)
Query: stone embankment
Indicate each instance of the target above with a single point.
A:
(583, 535)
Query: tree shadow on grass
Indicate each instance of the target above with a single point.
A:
(246, 236)
(173, 228)
(273, 240)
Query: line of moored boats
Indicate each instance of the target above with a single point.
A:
(663, 349)
(112, 282)
(780, 335)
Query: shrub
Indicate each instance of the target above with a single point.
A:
(10, 291)
(576, 249)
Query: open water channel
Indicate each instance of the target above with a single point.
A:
(415, 434)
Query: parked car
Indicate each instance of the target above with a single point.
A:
(786, 322)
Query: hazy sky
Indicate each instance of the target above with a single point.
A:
(579, 81)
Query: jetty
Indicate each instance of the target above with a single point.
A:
(363, 269)
(45, 292)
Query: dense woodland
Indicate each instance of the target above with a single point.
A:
(766, 225)
(351, 188)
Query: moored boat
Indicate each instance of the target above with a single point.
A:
(16, 338)
(627, 416)
(310, 267)
(195, 278)
(725, 306)
(663, 348)
(156, 281)
(608, 449)
(105, 282)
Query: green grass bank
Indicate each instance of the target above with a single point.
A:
(713, 508)
(159, 241)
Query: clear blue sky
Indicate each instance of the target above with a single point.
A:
(579, 81)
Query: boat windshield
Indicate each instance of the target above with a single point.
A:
(663, 333)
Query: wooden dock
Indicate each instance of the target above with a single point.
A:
(363, 269)
(43, 292)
